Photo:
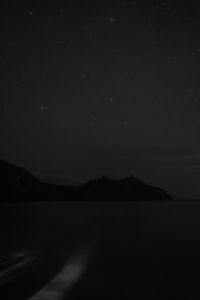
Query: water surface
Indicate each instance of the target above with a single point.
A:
(137, 250)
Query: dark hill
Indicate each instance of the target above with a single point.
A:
(130, 188)
(16, 184)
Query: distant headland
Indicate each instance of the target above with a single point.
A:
(19, 185)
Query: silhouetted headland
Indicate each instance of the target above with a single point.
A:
(17, 184)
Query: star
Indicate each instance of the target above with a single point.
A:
(112, 19)
(30, 12)
(111, 100)
(41, 107)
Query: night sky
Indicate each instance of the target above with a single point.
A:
(92, 88)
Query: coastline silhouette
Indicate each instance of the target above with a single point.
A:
(18, 184)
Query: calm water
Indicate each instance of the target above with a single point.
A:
(135, 250)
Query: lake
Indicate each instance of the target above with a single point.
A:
(134, 250)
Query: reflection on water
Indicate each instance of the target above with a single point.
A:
(12, 264)
(65, 280)
(137, 249)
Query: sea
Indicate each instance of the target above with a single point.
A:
(100, 250)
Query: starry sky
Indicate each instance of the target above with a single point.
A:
(92, 88)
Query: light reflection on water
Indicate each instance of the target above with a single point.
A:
(65, 279)
(151, 244)
(13, 269)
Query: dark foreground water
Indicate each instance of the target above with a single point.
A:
(114, 250)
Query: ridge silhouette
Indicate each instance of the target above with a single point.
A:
(17, 184)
